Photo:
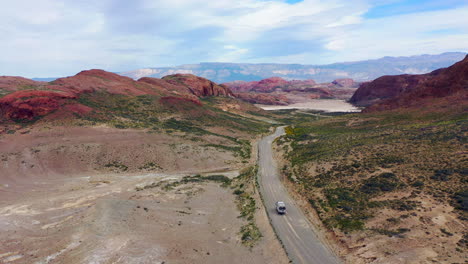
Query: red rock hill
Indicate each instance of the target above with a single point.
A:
(391, 92)
(199, 86)
(27, 99)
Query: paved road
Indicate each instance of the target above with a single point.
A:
(293, 228)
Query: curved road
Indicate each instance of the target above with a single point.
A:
(293, 229)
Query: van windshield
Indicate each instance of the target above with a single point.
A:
(282, 208)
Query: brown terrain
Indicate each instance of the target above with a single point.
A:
(392, 92)
(94, 169)
(78, 195)
(388, 185)
(29, 99)
(100, 168)
(278, 91)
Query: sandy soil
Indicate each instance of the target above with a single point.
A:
(105, 220)
(49, 153)
(60, 203)
(327, 105)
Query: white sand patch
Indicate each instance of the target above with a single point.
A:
(327, 105)
(13, 258)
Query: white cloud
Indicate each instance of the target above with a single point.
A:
(404, 35)
(62, 37)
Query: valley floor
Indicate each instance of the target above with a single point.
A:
(104, 195)
(112, 219)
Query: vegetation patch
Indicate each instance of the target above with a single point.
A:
(461, 200)
(385, 182)
(150, 166)
(244, 187)
(116, 165)
(345, 165)
(225, 181)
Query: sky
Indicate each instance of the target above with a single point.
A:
(51, 38)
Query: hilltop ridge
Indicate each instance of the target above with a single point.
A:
(27, 99)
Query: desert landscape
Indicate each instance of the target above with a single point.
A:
(248, 131)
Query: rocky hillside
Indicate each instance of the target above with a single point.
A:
(389, 186)
(28, 100)
(359, 70)
(391, 92)
(199, 86)
(278, 91)
(112, 122)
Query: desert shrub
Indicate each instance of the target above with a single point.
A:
(461, 200)
(442, 175)
(184, 126)
(117, 165)
(443, 230)
(385, 182)
(417, 184)
(238, 192)
(345, 223)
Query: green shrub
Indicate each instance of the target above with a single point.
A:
(385, 182)
(461, 200)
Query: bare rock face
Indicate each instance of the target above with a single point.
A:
(199, 86)
(391, 92)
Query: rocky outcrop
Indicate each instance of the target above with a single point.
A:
(390, 92)
(198, 86)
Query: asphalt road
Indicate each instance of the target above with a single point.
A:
(293, 229)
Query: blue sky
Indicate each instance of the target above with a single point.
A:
(63, 37)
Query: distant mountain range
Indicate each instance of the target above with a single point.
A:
(359, 70)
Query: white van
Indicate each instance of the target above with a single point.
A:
(280, 207)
